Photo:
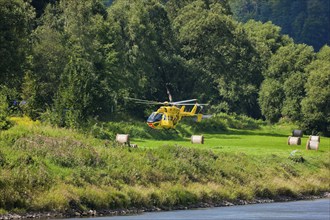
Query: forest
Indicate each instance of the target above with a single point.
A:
(303, 20)
(70, 63)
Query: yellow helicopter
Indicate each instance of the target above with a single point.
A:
(169, 115)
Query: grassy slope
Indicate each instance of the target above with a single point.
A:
(44, 168)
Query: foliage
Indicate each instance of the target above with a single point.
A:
(147, 48)
(4, 122)
(303, 20)
(283, 88)
(213, 41)
(267, 39)
(41, 5)
(240, 121)
(217, 123)
(316, 104)
(78, 51)
(47, 169)
(271, 97)
(74, 62)
(74, 65)
(222, 122)
(26, 121)
(8, 106)
(16, 22)
(212, 125)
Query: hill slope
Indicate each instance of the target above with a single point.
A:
(51, 169)
(306, 21)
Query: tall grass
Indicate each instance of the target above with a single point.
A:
(44, 168)
(217, 123)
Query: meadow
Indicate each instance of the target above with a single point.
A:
(44, 168)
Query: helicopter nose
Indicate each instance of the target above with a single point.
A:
(151, 125)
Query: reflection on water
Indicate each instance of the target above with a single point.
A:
(302, 210)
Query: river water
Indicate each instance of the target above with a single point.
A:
(298, 210)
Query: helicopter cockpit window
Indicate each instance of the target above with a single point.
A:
(155, 117)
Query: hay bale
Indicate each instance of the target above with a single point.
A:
(312, 145)
(122, 138)
(314, 138)
(297, 133)
(197, 139)
(294, 140)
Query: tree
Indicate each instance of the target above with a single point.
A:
(316, 25)
(16, 22)
(267, 39)
(40, 5)
(74, 101)
(148, 50)
(173, 7)
(294, 91)
(316, 104)
(271, 97)
(211, 40)
(306, 21)
(47, 63)
(294, 83)
(74, 66)
(287, 68)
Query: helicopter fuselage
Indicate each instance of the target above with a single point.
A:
(167, 117)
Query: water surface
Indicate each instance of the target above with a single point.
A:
(298, 210)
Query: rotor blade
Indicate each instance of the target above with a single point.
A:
(184, 101)
(150, 103)
(193, 104)
(142, 101)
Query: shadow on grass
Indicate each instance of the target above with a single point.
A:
(245, 132)
(177, 135)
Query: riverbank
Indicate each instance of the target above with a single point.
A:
(120, 212)
(53, 172)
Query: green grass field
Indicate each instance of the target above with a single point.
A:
(263, 141)
(43, 168)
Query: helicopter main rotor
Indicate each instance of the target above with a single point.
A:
(166, 103)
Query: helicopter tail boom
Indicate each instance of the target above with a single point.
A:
(191, 113)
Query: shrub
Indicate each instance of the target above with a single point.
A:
(214, 124)
(25, 121)
(240, 121)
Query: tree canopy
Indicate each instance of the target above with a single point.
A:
(304, 20)
(70, 62)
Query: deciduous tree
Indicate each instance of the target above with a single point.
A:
(316, 104)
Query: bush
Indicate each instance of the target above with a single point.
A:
(221, 122)
(214, 124)
(240, 121)
(108, 130)
(218, 123)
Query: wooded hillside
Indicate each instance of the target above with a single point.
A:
(70, 62)
(306, 21)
